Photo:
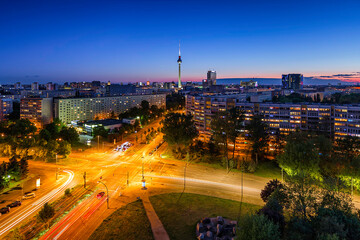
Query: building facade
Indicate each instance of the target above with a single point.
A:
(38, 110)
(6, 107)
(336, 120)
(292, 81)
(84, 109)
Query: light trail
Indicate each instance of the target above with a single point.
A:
(29, 210)
(205, 182)
(68, 221)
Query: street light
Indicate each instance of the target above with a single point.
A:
(107, 193)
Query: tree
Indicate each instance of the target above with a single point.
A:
(113, 115)
(51, 148)
(70, 135)
(300, 157)
(235, 121)
(24, 167)
(145, 106)
(4, 180)
(298, 229)
(348, 155)
(179, 130)
(13, 168)
(258, 227)
(258, 136)
(220, 132)
(270, 187)
(273, 210)
(175, 101)
(335, 222)
(46, 213)
(55, 127)
(303, 197)
(64, 148)
(100, 131)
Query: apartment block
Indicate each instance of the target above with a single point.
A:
(38, 110)
(336, 120)
(84, 109)
(6, 107)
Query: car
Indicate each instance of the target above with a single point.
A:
(14, 204)
(4, 210)
(28, 196)
(100, 195)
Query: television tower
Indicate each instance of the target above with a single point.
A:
(179, 62)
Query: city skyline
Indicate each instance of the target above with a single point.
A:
(138, 41)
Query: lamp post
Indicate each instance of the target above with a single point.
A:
(107, 193)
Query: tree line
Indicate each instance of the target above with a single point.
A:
(20, 141)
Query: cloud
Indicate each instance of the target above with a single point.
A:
(345, 77)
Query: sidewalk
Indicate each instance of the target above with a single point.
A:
(157, 228)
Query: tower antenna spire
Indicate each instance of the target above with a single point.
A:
(179, 61)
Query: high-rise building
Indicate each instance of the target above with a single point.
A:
(17, 85)
(292, 81)
(49, 86)
(6, 107)
(38, 110)
(211, 78)
(179, 61)
(35, 86)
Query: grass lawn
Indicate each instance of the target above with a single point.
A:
(180, 218)
(268, 169)
(128, 222)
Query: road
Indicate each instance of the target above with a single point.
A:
(115, 170)
(114, 176)
(23, 212)
(160, 176)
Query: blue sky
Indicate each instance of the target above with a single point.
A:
(128, 41)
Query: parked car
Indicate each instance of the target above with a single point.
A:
(14, 204)
(100, 195)
(4, 210)
(28, 196)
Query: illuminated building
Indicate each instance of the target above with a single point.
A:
(336, 120)
(292, 81)
(82, 109)
(6, 107)
(38, 110)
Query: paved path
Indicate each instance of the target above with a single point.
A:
(157, 228)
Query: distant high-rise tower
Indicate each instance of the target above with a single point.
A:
(292, 81)
(179, 62)
(211, 78)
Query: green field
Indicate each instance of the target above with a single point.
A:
(129, 222)
(180, 217)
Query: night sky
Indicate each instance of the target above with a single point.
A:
(129, 41)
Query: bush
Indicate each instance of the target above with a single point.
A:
(46, 212)
(258, 227)
(67, 192)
